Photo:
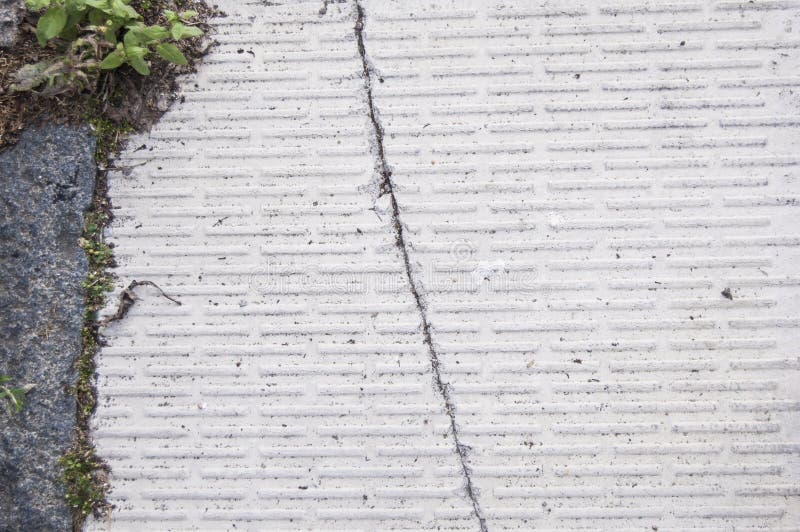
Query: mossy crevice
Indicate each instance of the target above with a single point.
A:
(85, 475)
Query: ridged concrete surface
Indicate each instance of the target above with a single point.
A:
(567, 231)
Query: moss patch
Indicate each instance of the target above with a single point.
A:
(86, 491)
(85, 476)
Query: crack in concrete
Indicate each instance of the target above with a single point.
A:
(387, 189)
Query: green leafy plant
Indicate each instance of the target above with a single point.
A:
(83, 477)
(14, 395)
(97, 35)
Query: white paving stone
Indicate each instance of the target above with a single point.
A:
(576, 186)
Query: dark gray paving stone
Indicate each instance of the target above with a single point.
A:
(46, 182)
(10, 12)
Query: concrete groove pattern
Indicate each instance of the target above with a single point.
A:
(581, 217)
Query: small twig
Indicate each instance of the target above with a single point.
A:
(127, 298)
(131, 166)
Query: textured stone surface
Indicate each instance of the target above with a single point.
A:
(595, 281)
(46, 185)
(10, 12)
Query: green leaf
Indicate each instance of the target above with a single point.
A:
(180, 31)
(113, 60)
(122, 10)
(36, 5)
(111, 35)
(135, 51)
(176, 30)
(50, 24)
(74, 19)
(139, 65)
(154, 33)
(70, 33)
(102, 5)
(171, 53)
(191, 31)
(74, 6)
(189, 13)
(131, 39)
(16, 397)
(170, 15)
(96, 17)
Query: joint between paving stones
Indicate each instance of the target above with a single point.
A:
(387, 188)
